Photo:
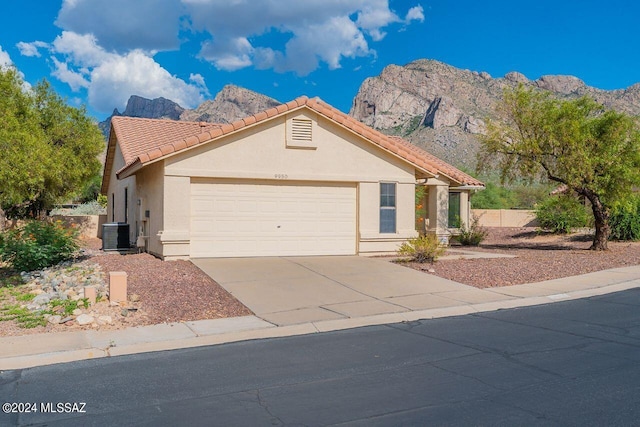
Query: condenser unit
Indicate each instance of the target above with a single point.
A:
(115, 236)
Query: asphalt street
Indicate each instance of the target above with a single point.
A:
(567, 363)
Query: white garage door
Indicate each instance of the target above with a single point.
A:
(252, 219)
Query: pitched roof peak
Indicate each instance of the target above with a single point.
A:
(158, 138)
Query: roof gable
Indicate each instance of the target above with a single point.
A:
(144, 141)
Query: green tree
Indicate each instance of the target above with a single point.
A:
(593, 151)
(48, 149)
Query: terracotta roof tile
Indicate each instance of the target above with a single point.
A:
(271, 112)
(182, 144)
(261, 116)
(214, 133)
(226, 128)
(145, 140)
(204, 137)
(167, 149)
(154, 154)
(191, 141)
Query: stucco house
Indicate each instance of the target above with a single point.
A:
(299, 179)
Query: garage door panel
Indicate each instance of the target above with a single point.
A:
(241, 219)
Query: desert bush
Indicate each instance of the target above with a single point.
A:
(422, 249)
(625, 220)
(562, 213)
(37, 244)
(90, 208)
(472, 235)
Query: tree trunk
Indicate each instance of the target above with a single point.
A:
(601, 219)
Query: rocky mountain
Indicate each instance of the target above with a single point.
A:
(443, 109)
(230, 104)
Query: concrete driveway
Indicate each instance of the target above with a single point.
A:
(292, 290)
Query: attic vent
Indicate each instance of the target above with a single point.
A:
(301, 130)
(300, 133)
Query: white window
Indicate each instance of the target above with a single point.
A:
(387, 207)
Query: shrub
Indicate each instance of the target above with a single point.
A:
(422, 249)
(37, 245)
(473, 235)
(94, 207)
(560, 214)
(625, 220)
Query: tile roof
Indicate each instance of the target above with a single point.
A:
(146, 140)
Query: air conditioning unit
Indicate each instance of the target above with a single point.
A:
(115, 236)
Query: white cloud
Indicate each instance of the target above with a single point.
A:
(82, 50)
(6, 63)
(123, 25)
(111, 78)
(31, 49)
(197, 79)
(229, 55)
(340, 38)
(74, 79)
(415, 14)
(5, 59)
(318, 30)
(107, 47)
(113, 81)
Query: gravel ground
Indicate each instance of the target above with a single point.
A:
(172, 291)
(167, 291)
(538, 257)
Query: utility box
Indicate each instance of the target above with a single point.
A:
(115, 236)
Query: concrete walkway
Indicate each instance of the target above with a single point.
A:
(412, 298)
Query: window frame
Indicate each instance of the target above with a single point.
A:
(456, 223)
(386, 207)
(126, 205)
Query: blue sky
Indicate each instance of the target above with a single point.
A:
(99, 52)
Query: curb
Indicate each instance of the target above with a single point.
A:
(172, 336)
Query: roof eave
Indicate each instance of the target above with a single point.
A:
(131, 169)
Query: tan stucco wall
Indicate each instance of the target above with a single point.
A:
(261, 153)
(88, 226)
(115, 204)
(150, 187)
(505, 217)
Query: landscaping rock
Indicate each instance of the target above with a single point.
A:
(41, 299)
(54, 319)
(105, 319)
(85, 319)
(76, 312)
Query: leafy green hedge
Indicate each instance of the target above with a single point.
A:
(37, 245)
(625, 220)
(560, 214)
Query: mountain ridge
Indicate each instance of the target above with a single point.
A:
(443, 109)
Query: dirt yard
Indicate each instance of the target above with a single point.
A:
(539, 256)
